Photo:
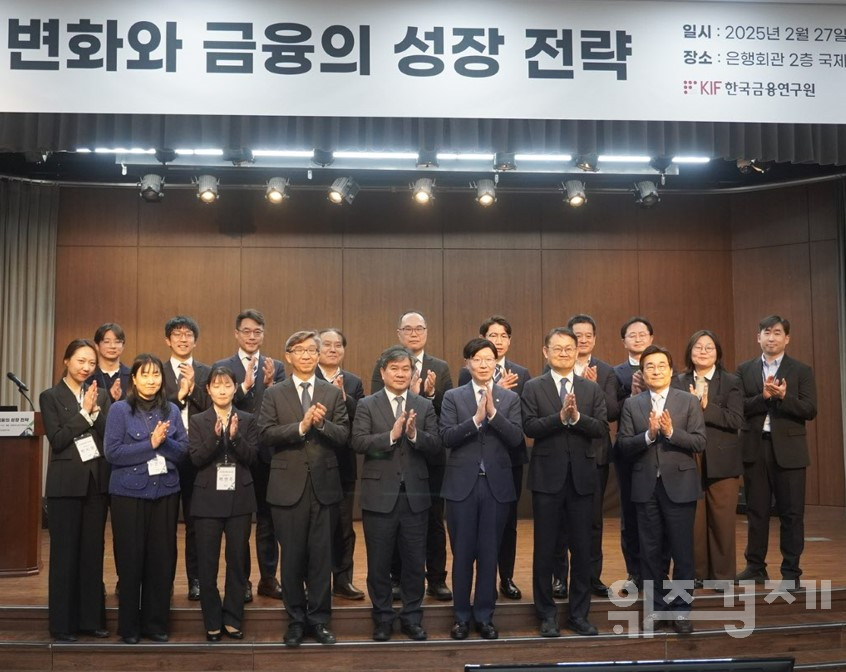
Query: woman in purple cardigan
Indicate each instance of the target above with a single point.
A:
(145, 441)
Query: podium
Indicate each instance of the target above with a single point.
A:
(20, 502)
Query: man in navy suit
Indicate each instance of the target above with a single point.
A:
(564, 414)
(333, 344)
(511, 376)
(480, 426)
(660, 430)
(779, 397)
(395, 429)
(254, 373)
(184, 380)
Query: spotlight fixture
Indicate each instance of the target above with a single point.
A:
(422, 191)
(661, 163)
(343, 189)
(749, 166)
(646, 193)
(574, 193)
(427, 158)
(277, 189)
(239, 157)
(485, 193)
(504, 161)
(207, 188)
(587, 163)
(151, 188)
(322, 157)
(165, 155)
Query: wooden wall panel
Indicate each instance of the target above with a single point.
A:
(822, 210)
(181, 220)
(195, 281)
(684, 222)
(771, 217)
(395, 221)
(480, 283)
(513, 223)
(93, 216)
(380, 285)
(685, 291)
(306, 219)
(601, 224)
(95, 285)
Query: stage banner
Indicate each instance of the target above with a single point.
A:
(17, 423)
(532, 59)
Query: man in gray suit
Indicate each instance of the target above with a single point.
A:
(395, 429)
(303, 421)
(660, 429)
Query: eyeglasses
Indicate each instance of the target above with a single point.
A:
(486, 361)
(558, 350)
(182, 334)
(496, 337)
(412, 330)
(703, 348)
(299, 352)
(251, 332)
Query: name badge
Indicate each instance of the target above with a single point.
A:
(157, 466)
(225, 476)
(86, 447)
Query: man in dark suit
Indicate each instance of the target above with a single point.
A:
(589, 367)
(255, 373)
(480, 426)
(395, 429)
(565, 414)
(111, 374)
(779, 397)
(431, 379)
(660, 430)
(511, 376)
(332, 346)
(636, 335)
(303, 422)
(185, 385)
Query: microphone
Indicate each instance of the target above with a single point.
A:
(17, 381)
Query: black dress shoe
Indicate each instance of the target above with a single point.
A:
(698, 584)
(294, 634)
(461, 630)
(652, 623)
(439, 591)
(99, 633)
(323, 634)
(750, 574)
(194, 590)
(396, 592)
(549, 628)
(158, 637)
(129, 639)
(65, 637)
(382, 632)
(414, 631)
(269, 587)
(559, 589)
(347, 591)
(682, 625)
(487, 630)
(581, 626)
(599, 589)
(233, 633)
(213, 636)
(248, 593)
(509, 590)
(632, 585)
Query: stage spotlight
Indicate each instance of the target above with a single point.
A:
(646, 193)
(504, 161)
(587, 163)
(748, 166)
(574, 193)
(322, 157)
(277, 189)
(165, 155)
(485, 193)
(207, 188)
(343, 189)
(422, 191)
(239, 157)
(427, 158)
(151, 188)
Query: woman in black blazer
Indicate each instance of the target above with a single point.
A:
(74, 415)
(222, 443)
(721, 464)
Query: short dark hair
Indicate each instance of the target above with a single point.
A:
(410, 312)
(656, 349)
(249, 314)
(772, 320)
(300, 337)
(78, 344)
(160, 399)
(492, 320)
(688, 358)
(103, 329)
(181, 321)
(560, 331)
(394, 354)
(475, 345)
(221, 372)
(337, 331)
(581, 318)
(631, 321)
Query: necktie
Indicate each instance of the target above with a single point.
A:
(399, 407)
(306, 396)
(658, 404)
(563, 390)
(497, 373)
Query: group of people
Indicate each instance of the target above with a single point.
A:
(241, 438)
